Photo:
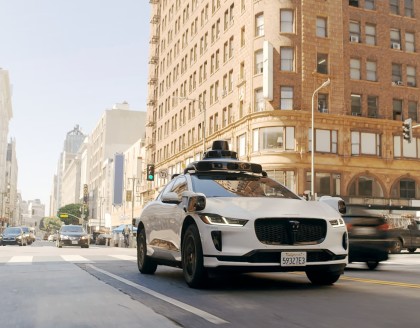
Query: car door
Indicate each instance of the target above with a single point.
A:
(164, 218)
(414, 228)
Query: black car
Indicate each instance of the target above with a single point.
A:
(369, 239)
(13, 236)
(72, 235)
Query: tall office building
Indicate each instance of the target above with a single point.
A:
(279, 78)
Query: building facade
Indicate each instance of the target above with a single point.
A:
(279, 79)
(117, 130)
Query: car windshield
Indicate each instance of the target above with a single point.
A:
(71, 229)
(239, 185)
(12, 230)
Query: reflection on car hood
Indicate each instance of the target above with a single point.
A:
(252, 208)
(12, 234)
(73, 233)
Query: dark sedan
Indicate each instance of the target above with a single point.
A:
(72, 235)
(369, 239)
(13, 236)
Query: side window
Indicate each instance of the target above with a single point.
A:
(179, 186)
(167, 188)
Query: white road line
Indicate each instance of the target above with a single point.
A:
(74, 258)
(20, 260)
(205, 315)
(125, 257)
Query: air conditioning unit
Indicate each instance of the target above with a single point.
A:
(396, 46)
(354, 38)
(399, 83)
(411, 84)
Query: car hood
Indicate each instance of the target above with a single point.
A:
(255, 207)
(8, 235)
(73, 234)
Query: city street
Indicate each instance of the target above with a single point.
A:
(44, 286)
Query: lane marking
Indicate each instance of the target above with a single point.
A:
(125, 257)
(74, 258)
(20, 260)
(205, 315)
(381, 282)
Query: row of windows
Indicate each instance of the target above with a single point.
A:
(395, 6)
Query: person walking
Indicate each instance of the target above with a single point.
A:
(126, 234)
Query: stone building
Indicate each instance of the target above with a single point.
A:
(261, 74)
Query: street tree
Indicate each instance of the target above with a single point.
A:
(73, 211)
(50, 224)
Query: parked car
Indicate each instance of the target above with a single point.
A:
(13, 236)
(405, 232)
(72, 235)
(103, 239)
(369, 238)
(29, 235)
(225, 214)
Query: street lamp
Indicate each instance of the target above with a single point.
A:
(323, 85)
(203, 106)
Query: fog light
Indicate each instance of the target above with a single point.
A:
(216, 236)
(345, 240)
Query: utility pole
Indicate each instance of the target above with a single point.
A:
(133, 197)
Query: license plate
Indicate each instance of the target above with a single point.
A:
(293, 259)
(74, 242)
(363, 231)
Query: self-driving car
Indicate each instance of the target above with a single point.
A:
(225, 215)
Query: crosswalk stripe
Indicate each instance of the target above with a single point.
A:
(74, 258)
(20, 259)
(125, 257)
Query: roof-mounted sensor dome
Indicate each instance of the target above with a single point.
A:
(220, 149)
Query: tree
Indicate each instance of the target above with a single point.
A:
(50, 224)
(74, 212)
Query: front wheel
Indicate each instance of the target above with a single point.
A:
(192, 258)
(372, 265)
(397, 247)
(145, 264)
(323, 278)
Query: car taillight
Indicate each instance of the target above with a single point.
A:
(383, 227)
(349, 226)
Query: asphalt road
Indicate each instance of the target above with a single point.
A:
(43, 286)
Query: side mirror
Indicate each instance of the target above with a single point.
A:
(342, 207)
(171, 198)
(193, 202)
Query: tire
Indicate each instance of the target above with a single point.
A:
(412, 249)
(372, 265)
(397, 247)
(195, 274)
(322, 278)
(145, 264)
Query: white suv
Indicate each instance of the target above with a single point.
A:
(224, 214)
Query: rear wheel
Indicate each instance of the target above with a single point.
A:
(192, 258)
(412, 250)
(372, 265)
(145, 264)
(323, 278)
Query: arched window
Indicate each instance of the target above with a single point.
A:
(405, 188)
(365, 186)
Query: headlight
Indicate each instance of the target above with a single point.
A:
(337, 223)
(83, 237)
(221, 220)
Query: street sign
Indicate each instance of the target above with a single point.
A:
(163, 174)
(64, 215)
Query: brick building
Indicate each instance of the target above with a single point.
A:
(255, 72)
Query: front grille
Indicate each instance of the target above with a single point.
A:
(290, 231)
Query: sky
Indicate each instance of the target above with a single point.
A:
(68, 61)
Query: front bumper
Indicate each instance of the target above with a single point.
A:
(74, 242)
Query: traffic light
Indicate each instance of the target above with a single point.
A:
(150, 172)
(407, 130)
